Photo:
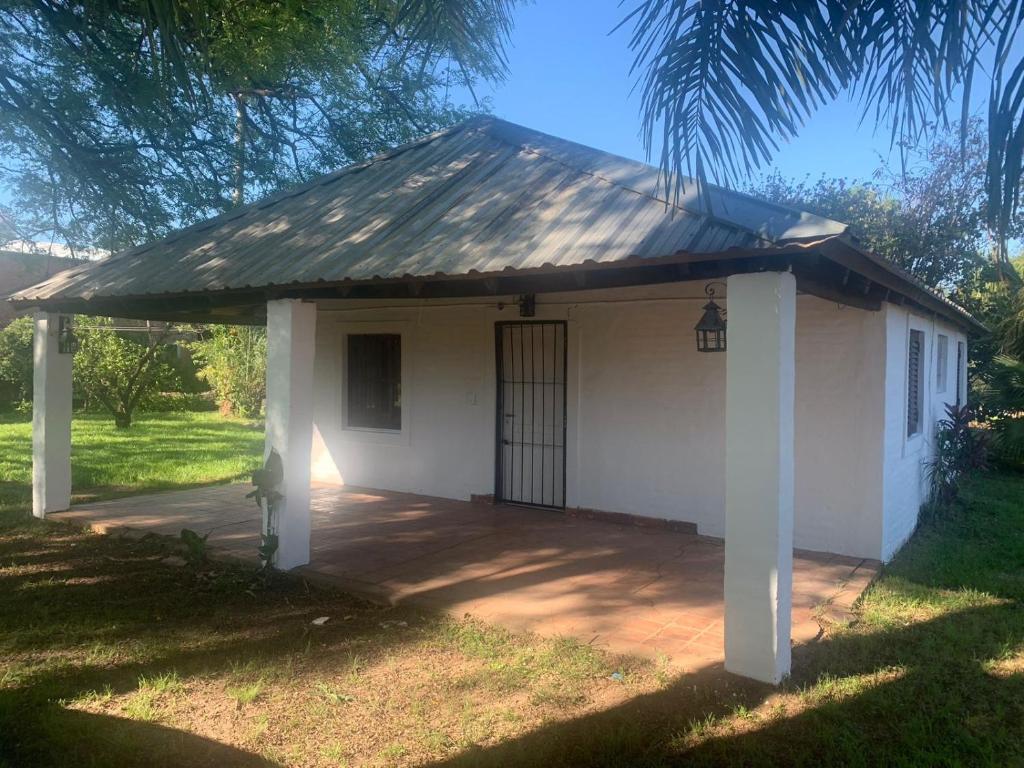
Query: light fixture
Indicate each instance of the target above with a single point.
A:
(67, 342)
(711, 328)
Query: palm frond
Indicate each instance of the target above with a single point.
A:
(722, 82)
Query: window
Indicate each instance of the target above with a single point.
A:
(961, 355)
(942, 363)
(374, 381)
(915, 388)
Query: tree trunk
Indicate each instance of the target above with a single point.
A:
(238, 195)
(122, 420)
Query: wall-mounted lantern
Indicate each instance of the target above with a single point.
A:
(711, 328)
(67, 343)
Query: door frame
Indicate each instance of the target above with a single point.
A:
(499, 423)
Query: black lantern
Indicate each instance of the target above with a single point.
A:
(711, 328)
(67, 342)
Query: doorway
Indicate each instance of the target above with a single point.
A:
(532, 362)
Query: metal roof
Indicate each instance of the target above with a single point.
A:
(483, 196)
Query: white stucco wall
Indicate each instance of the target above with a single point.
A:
(905, 486)
(840, 356)
(646, 416)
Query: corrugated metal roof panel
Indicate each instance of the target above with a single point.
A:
(483, 196)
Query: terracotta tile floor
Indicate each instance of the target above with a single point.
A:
(627, 589)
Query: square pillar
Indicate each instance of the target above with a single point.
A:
(51, 418)
(760, 371)
(291, 339)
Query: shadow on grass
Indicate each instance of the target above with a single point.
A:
(86, 614)
(905, 696)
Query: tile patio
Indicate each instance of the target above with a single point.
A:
(624, 588)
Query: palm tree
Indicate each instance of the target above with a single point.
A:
(722, 81)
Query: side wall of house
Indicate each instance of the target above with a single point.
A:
(905, 481)
(645, 431)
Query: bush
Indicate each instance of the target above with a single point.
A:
(16, 364)
(233, 361)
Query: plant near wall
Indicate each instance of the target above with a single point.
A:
(267, 481)
(958, 450)
(233, 361)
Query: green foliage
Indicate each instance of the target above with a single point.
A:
(959, 449)
(927, 216)
(233, 361)
(1002, 398)
(194, 546)
(721, 83)
(122, 120)
(120, 373)
(16, 364)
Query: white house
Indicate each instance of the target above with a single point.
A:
(491, 311)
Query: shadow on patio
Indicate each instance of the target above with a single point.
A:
(621, 588)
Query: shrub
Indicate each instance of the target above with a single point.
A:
(233, 361)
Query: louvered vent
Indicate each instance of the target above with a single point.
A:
(914, 393)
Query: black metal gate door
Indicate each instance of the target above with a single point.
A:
(530, 458)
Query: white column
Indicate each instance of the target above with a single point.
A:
(759, 475)
(51, 419)
(291, 337)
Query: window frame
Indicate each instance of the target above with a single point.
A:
(350, 420)
(941, 363)
(922, 383)
(961, 372)
(371, 435)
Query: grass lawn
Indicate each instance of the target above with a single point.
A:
(109, 656)
(159, 451)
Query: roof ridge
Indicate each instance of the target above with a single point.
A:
(699, 210)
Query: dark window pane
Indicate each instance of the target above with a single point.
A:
(375, 380)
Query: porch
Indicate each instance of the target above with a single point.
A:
(623, 588)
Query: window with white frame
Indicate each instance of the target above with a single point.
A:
(915, 383)
(374, 381)
(961, 361)
(941, 363)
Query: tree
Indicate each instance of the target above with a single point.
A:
(723, 81)
(119, 371)
(16, 363)
(233, 361)
(927, 216)
(122, 120)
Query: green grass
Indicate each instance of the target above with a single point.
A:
(109, 657)
(159, 451)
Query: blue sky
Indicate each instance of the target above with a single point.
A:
(570, 77)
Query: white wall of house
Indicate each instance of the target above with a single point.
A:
(646, 416)
(905, 457)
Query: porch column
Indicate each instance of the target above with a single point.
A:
(51, 419)
(291, 330)
(759, 475)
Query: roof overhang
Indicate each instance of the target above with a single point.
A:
(832, 268)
